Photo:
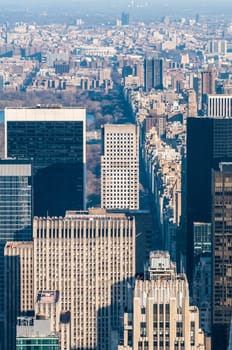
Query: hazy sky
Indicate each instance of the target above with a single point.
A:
(171, 3)
(158, 6)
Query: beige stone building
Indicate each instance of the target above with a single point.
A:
(162, 318)
(18, 286)
(89, 258)
(78, 272)
(192, 103)
(120, 167)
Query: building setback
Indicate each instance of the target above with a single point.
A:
(54, 140)
(162, 317)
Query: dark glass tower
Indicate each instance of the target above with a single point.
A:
(222, 257)
(153, 73)
(209, 142)
(54, 140)
(15, 214)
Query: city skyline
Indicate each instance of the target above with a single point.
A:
(151, 143)
(130, 5)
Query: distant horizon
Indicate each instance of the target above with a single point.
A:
(106, 11)
(126, 4)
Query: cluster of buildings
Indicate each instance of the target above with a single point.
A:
(76, 56)
(163, 167)
(184, 127)
(78, 278)
(70, 274)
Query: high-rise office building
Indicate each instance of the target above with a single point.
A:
(18, 287)
(209, 142)
(207, 85)
(120, 167)
(22, 302)
(89, 258)
(125, 18)
(15, 214)
(54, 140)
(202, 239)
(162, 317)
(222, 258)
(153, 73)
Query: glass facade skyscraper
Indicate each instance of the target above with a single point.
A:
(15, 212)
(209, 142)
(54, 140)
(222, 259)
(202, 237)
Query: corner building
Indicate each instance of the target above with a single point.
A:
(89, 258)
(53, 139)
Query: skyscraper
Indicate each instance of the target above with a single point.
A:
(120, 167)
(15, 213)
(54, 140)
(207, 85)
(125, 18)
(153, 73)
(162, 317)
(83, 269)
(222, 258)
(89, 258)
(18, 287)
(209, 142)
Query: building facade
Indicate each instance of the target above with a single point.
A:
(209, 142)
(162, 317)
(192, 103)
(219, 106)
(89, 258)
(15, 214)
(222, 260)
(54, 140)
(207, 85)
(120, 167)
(18, 287)
(153, 73)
